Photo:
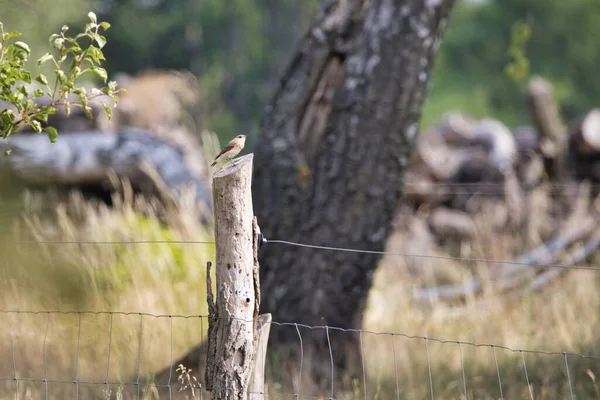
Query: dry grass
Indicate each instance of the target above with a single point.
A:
(168, 278)
(564, 317)
(156, 278)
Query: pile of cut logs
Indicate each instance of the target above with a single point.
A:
(463, 168)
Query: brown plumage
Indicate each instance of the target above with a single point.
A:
(231, 149)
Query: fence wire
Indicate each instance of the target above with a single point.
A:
(322, 247)
(139, 385)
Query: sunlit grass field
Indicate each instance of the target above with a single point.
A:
(169, 279)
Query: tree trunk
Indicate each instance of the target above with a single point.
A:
(336, 140)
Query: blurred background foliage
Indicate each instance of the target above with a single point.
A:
(238, 50)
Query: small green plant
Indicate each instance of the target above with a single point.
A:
(518, 68)
(72, 57)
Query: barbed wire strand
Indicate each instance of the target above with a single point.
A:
(529, 390)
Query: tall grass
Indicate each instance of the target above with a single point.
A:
(154, 278)
(169, 278)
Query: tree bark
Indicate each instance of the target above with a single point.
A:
(336, 140)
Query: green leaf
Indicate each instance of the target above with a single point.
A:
(8, 152)
(37, 93)
(41, 78)
(23, 46)
(46, 57)
(29, 105)
(52, 133)
(10, 35)
(92, 17)
(107, 109)
(94, 55)
(43, 117)
(88, 112)
(23, 90)
(105, 25)
(61, 76)
(64, 28)
(58, 43)
(36, 126)
(25, 76)
(100, 73)
(7, 116)
(101, 40)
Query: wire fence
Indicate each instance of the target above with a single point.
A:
(331, 248)
(51, 386)
(116, 365)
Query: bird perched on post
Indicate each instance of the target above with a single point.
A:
(231, 150)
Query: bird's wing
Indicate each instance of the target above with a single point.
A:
(224, 150)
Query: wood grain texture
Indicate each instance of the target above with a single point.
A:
(232, 325)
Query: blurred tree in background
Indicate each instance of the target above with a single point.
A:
(37, 20)
(470, 69)
(238, 48)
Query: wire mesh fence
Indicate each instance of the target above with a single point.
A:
(137, 355)
(65, 354)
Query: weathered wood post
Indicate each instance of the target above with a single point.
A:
(233, 332)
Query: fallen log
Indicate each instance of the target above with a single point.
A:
(584, 135)
(456, 128)
(511, 274)
(536, 285)
(89, 158)
(447, 222)
(584, 147)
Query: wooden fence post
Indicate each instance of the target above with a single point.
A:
(233, 331)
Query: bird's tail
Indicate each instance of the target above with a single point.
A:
(214, 163)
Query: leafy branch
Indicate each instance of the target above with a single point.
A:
(518, 67)
(72, 57)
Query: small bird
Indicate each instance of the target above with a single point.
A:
(231, 150)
